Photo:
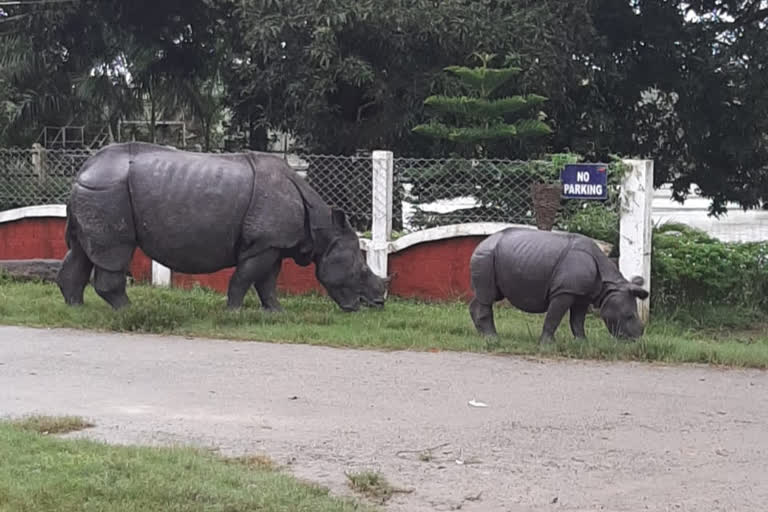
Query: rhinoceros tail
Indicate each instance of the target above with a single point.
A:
(69, 231)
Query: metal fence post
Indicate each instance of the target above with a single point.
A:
(636, 228)
(381, 226)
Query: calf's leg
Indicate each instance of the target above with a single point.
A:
(267, 289)
(578, 316)
(558, 306)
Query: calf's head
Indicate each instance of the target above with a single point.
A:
(343, 271)
(619, 309)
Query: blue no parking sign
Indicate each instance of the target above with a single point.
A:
(585, 181)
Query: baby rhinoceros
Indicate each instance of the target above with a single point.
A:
(542, 271)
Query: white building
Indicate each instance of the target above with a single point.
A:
(734, 226)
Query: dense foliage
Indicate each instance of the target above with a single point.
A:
(92, 62)
(691, 267)
(680, 82)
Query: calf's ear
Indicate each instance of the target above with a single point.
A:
(637, 280)
(639, 292)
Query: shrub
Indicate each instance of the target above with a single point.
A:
(595, 221)
(691, 267)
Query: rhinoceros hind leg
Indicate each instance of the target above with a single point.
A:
(74, 274)
(558, 306)
(255, 269)
(110, 286)
(578, 316)
(482, 316)
(267, 289)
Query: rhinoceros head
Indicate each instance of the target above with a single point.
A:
(343, 271)
(619, 309)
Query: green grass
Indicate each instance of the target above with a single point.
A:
(50, 424)
(402, 324)
(372, 485)
(42, 473)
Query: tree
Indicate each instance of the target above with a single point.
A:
(348, 74)
(679, 82)
(683, 84)
(96, 61)
(475, 121)
(479, 125)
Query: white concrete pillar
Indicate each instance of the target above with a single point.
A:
(381, 228)
(636, 226)
(161, 275)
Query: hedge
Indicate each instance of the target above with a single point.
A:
(689, 266)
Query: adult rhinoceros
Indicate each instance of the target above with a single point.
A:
(199, 213)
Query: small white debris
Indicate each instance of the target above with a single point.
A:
(475, 403)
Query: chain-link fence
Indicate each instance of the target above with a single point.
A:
(44, 176)
(31, 177)
(426, 192)
(436, 192)
(344, 182)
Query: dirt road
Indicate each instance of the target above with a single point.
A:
(562, 436)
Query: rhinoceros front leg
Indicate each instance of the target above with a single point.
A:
(558, 306)
(578, 317)
(267, 289)
(254, 269)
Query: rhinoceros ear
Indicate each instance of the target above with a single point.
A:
(637, 280)
(339, 219)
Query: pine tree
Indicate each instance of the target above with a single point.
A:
(476, 118)
(472, 123)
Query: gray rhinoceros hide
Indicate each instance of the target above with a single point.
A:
(199, 213)
(552, 273)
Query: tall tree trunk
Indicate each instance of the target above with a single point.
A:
(152, 114)
(257, 136)
(207, 129)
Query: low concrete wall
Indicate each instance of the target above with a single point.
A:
(432, 264)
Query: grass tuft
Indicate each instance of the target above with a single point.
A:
(259, 462)
(682, 336)
(373, 485)
(52, 425)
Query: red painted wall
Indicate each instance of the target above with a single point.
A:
(293, 279)
(44, 238)
(436, 270)
(432, 270)
(32, 238)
